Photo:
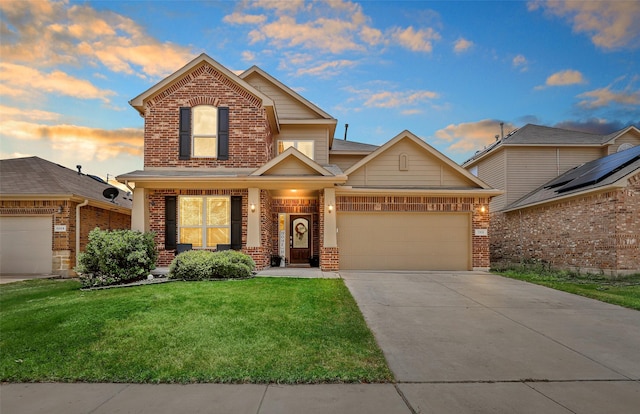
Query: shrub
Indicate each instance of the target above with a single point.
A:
(204, 265)
(117, 256)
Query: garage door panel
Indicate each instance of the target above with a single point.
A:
(25, 245)
(404, 241)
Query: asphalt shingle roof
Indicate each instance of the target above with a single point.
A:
(547, 192)
(36, 176)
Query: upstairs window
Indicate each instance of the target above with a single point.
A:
(205, 131)
(304, 146)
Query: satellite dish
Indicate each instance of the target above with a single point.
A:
(110, 193)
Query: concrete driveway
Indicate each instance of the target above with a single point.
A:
(476, 342)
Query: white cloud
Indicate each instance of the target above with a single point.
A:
(610, 24)
(326, 69)
(420, 40)
(564, 78)
(392, 99)
(604, 97)
(462, 45)
(520, 62)
(469, 136)
(23, 81)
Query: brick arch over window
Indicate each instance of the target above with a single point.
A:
(204, 100)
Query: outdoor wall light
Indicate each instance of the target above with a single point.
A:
(330, 208)
(59, 209)
(253, 208)
(483, 209)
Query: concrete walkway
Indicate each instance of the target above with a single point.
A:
(457, 342)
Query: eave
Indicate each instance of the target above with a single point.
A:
(105, 205)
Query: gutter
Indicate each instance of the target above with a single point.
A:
(78, 207)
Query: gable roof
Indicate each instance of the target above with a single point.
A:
(426, 147)
(604, 173)
(139, 101)
(291, 153)
(341, 146)
(36, 177)
(537, 135)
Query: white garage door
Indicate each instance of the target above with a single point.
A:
(405, 241)
(25, 245)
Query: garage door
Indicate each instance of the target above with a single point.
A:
(25, 245)
(405, 241)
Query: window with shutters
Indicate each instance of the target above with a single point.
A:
(204, 222)
(205, 131)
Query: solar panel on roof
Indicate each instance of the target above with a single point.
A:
(601, 169)
(566, 177)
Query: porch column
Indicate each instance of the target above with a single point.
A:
(139, 209)
(329, 211)
(253, 220)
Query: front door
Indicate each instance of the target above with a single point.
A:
(300, 239)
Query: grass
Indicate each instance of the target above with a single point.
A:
(259, 330)
(623, 291)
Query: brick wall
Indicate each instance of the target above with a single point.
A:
(596, 233)
(479, 220)
(250, 140)
(64, 242)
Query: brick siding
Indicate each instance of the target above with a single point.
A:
(594, 233)
(250, 140)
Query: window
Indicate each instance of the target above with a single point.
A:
(305, 147)
(205, 131)
(204, 221)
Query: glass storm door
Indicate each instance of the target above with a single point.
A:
(300, 237)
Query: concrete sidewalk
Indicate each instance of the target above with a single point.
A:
(457, 342)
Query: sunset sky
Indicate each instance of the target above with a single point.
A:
(448, 71)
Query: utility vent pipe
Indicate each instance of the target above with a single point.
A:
(346, 127)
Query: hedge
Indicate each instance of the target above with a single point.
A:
(206, 265)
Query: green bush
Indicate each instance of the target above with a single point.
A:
(204, 265)
(116, 256)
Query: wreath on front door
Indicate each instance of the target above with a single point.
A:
(301, 229)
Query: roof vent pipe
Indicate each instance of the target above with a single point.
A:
(502, 130)
(79, 167)
(346, 127)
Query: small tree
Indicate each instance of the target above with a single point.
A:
(116, 256)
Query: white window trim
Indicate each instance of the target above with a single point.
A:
(213, 136)
(203, 228)
(295, 145)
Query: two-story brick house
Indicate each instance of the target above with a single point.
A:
(244, 162)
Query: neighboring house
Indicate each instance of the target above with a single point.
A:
(587, 218)
(47, 212)
(525, 161)
(244, 162)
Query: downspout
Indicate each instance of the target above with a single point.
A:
(78, 207)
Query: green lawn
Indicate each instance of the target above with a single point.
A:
(258, 330)
(624, 291)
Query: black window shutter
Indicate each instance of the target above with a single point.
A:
(185, 133)
(223, 133)
(170, 222)
(236, 222)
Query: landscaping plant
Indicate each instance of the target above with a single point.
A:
(205, 265)
(116, 256)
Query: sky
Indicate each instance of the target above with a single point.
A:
(448, 71)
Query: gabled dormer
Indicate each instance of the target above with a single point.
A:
(303, 125)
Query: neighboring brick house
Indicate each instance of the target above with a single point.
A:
(41, 206)
(561, 229)
(244, 162)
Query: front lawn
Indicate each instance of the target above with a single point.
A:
(258, 330)
(624, 291)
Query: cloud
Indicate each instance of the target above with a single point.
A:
(23, 81)
(326, 69)
(592, 126)
(44, 34)
(610, 24)
(415, 40)
(520, 62)
(334, 27)
(90, 143)
(604, 97)
(564, 78)
(30, 114)
(472, 135)
(462, 45)
(248, 56)
(393, 99)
